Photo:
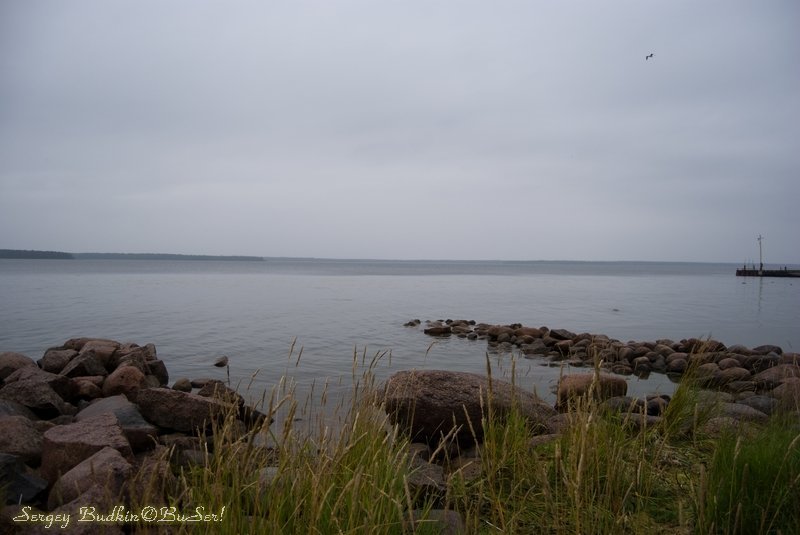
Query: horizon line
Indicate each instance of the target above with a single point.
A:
(367, 259)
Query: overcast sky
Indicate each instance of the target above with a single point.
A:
(402, 129)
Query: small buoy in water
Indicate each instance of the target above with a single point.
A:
(221, 362)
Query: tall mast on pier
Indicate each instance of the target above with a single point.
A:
(760, 257)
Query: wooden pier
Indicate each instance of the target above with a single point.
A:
(754, 272)
(761, 272)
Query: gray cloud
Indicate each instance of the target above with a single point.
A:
(401, 129)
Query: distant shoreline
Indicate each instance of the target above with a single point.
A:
(58, 255)
(6, 254)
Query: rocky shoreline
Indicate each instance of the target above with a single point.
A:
(739, 388)
(95, 421)
(744, 373)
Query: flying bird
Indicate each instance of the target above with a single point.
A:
(648, 57)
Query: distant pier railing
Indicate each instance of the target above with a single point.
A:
(755, 272)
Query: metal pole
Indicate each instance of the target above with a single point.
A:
(760, 257)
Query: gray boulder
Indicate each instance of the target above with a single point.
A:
(182, 385)
(181, 411)
(97, 500)
(102, 350)
(562, 334)
(741, 412)
(775, 375)
(55, 359)
(12, 408)
(63, 386)
(765, 404)
(87, 388)
(127, 380)
(157, 369)
(67, 445)
(11, 362)
(602, 386)
(430, 403)
(21, 438)
(140, 433)
(84, 364)
(19, 484)
(39, 397)
(787, 395)
(107, 468)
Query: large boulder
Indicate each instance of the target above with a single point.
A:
(787, 395)
(732, 374)
(218, 390)
(500, 332)
(602, 386)
(39, 397)
(85, 363)
(11, 362)
(438, 330)
(79, 343)
(140, 433)
(562, 334)
(136, 357)
(157, 369)
(102, 350)
(12, 408)
(765, 404)
(429, 403)
(182, 385)
(63, 386)
(181, 411)
(86, 513)
(533, 332)
(19, 484)
(106, 468)
(20, 437)
(772, 377)
(67, 445)
(88, 387)
(741, 412)
(127, 380)
(55, 359)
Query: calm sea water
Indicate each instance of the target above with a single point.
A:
(195, 311)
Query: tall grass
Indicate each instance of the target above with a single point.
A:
(347, 478)
(604, 473)
(752, 484)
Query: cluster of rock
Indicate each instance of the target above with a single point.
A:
(93, 422)
(761, 372)
(739, 386)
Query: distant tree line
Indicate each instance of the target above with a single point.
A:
(19, 254)
(159, 256)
